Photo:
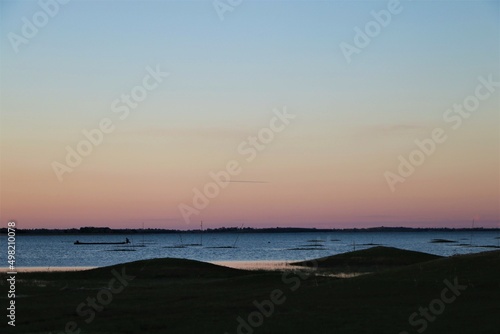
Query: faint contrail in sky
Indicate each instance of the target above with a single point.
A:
(237, 181)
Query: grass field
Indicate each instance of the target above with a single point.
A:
(183, 296)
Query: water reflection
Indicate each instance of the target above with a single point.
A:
(283, 266)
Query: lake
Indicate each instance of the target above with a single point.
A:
(59, 250)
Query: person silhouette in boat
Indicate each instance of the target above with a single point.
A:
(127, 241)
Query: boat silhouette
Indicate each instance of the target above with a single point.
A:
(102, 243)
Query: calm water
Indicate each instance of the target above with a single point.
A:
(59, 251)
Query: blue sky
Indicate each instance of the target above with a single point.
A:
(288, 49)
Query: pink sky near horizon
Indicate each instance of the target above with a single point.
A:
(332, 194)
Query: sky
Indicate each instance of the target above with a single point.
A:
(175, 90)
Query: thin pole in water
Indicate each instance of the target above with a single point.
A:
(237, 236)
(201, 233)
(472, 230)
(143, 234)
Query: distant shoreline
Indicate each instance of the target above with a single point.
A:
(110, 231)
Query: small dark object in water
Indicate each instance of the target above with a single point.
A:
(441, 241)
(222, 247)
(102, 243)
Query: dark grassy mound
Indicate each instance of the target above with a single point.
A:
(377, 303)
(169, 268)
(385, 301)
(149, 269)
(369, 260)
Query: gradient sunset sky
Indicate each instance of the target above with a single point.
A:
(326, 169)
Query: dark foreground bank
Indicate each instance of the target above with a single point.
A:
(458, 294)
